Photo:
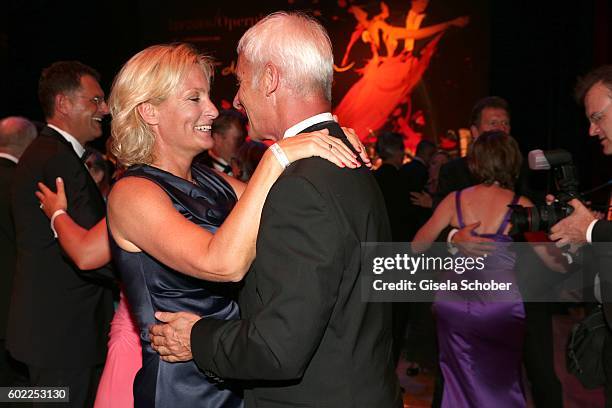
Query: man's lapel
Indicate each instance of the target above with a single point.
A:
(52, 133)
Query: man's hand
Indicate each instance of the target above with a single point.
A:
(173, 340)
(422, 199)
(572, 229)
(471, 244)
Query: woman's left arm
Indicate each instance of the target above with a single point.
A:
(88, 249)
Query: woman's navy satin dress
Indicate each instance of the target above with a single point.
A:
(151, 286)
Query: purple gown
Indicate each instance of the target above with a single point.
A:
(480, 341)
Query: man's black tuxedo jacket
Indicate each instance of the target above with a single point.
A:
(59, 316)
(414, 177)
(396, 200)
(305, 329)
(455, 175)
(7, 241)
(601, 237)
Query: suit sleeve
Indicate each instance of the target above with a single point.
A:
(602, 231)
(602, 256)
(444, 187)
(297, 285)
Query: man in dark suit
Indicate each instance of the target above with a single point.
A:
(595, 92)
(414, 180)
(16, 134)
(306, 336)
(390, 149)
(59, 315)
(489, 113)
(582, 226)
(228, 132)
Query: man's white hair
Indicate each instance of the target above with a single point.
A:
(298, 46)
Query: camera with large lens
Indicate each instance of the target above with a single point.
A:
(542, 218)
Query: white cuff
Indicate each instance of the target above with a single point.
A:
(449, 241)
(56, 214)
(589, 231)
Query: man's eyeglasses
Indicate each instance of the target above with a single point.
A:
(596, 117)
(96, 99)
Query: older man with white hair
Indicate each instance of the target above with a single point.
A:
(305, 337)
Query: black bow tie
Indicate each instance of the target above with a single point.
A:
(227, 169)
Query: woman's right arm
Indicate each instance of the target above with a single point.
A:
(142, 217)
(88, 249)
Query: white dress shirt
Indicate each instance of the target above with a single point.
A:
(78, 148)
(306, 123)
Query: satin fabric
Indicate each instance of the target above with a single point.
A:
(480, 339)
(123, 361)
(151, 286)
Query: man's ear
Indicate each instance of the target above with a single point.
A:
(62, 103)
(148, 112)
(271, 78)
(474, 131)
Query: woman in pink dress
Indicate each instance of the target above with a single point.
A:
(89, 249)
(122, 362)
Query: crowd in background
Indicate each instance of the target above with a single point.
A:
(429, 194)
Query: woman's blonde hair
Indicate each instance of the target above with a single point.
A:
(149, 76)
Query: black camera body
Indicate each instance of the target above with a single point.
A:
(542, 218)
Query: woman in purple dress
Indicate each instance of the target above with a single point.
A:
(481, 337)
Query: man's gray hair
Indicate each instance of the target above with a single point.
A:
(16, 133)
(298, 46)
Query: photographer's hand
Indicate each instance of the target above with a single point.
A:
(572, 229)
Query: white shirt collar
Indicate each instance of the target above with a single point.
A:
(9, 157)
(78, 148)
(217, 158)
(219, 163)
(306, 123)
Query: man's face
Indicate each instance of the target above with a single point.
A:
(252, 99)
(493, 119)
(597, 103)
(227, 144)
(86, 109)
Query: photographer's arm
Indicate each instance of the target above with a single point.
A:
(576, 228)
(550, 255)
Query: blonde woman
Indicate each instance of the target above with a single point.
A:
(164, 211)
